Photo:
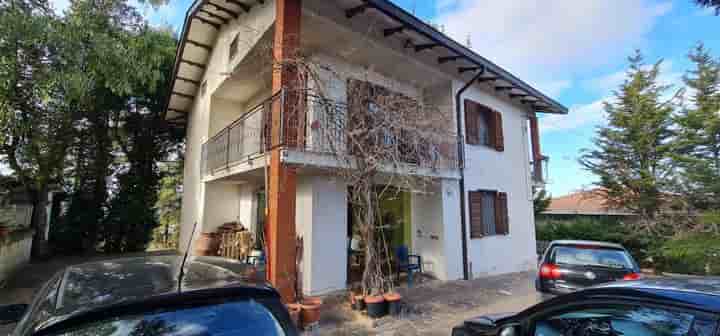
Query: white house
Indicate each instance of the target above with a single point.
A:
(245, 164)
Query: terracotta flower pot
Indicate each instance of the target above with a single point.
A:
(393, 302)
(376, 306)
(294, 309)
(311, 310)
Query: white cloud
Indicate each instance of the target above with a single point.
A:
(534, 38)
(580, 115)
(553, 88)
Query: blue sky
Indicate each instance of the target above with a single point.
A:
(574, 51)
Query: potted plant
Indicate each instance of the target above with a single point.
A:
(376, 306)
(394, 301)
(310, 310)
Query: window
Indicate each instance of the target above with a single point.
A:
(483, 126)
(623, 320)
(488, 213)
(233, 48)
(230, 318)
(592, 256)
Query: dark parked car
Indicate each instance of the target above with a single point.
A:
(649, 307)
(569, 265)
(143, 296)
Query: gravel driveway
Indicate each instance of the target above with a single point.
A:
(434, 307)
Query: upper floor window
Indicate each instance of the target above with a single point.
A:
(483, 126)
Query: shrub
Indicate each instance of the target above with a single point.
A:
(597, 230)
(697, 254)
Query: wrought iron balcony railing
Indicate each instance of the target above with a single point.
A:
(315, 125)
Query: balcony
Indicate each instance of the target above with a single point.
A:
(317, 128)
(539, 170)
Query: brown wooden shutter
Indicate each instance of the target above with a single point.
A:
(499, 139)
(501, 214)
(476, 224)
(472, 134)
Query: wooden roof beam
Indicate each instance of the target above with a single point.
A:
(504, 88)
(195, 64)
(421, 47)
(184, 95)
(207, 22)
(213, 15)
(446, 59)
(517, 95)
(466, 69)
(188, 80)
(200, 44)
(356, 10)
(393, 31)
(224, 10)
(242, 5)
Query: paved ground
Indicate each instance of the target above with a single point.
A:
(22, 286)
(434, 307)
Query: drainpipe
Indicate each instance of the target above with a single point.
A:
(461, 161)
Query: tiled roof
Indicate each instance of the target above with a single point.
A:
(590, 202)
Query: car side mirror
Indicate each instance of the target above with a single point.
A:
(12, 313)
(511, 330)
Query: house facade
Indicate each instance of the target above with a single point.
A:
(256, 150)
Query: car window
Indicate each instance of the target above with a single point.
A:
(582, 256)
(623, 320)
(232, 318)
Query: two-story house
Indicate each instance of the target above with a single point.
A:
(249, 160)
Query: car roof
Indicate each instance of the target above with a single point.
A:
(702, 293)
(98, 285)
(586, 243)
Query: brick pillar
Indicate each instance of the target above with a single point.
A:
(536, 154)
(281, 272)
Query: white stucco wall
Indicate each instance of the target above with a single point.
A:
(436, 230)
(247, 206)
(509, 172)
(252, 26)
(321, 220)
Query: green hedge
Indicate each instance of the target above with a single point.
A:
(598, 230)
(697, 254)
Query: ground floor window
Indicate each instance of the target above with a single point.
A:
(488, 213)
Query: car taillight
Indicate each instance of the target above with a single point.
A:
(549, 271)
(632, 276)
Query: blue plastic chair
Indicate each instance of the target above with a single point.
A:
(408, 263)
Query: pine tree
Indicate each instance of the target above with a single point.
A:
(632, 154)
(698, 142)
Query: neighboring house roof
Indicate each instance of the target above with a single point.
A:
(590, 202)
(452, 53)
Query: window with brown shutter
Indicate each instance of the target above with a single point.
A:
(471, 120)
(488, 213)
(499, 139)
(483, 126)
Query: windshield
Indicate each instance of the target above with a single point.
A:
(592, 256)
(233, 318)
